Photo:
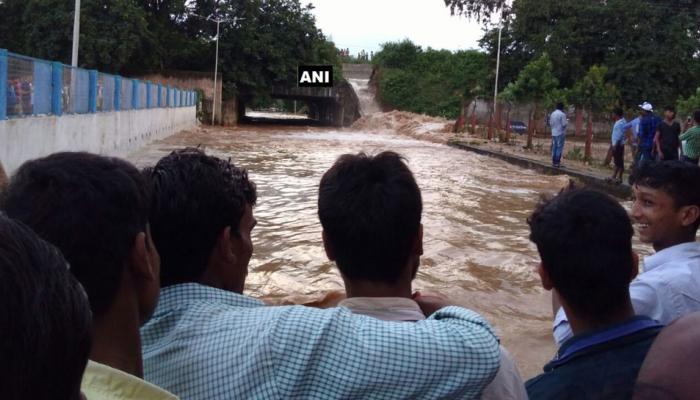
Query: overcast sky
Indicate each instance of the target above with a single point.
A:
(365, 24)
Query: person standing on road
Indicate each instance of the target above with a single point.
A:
(618, 145)
(691, 141)
(558, 123)
(666, 138)
(647, 131)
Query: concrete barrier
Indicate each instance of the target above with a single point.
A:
(108, 133)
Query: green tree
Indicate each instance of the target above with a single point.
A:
(114, 34)
(534, 84)
(434, 82)
(597, 96)
(686, 106)
(651, 47)
(478, 9)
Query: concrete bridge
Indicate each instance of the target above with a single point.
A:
(335, 106)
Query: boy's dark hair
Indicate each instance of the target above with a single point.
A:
(680, 180)
(584, 239)
(45, 319)
(370, 209)
(618, 112)
(696, 116)
(195, 196)
(560, 106)
(670, 108)
(89, 206)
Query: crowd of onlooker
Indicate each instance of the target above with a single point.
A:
(117, 283)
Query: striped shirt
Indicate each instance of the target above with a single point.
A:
(691, 142)
(205, 343)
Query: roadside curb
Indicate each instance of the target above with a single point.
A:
(622, 191)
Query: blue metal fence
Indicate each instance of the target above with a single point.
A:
(30, 86)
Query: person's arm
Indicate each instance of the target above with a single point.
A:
(336, 354)
(657, 144)
(685, 136)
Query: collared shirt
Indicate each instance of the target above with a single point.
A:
(598, 365)
(558, 123)
(691, 142)
(205, 343)
(668, 289)
(102, 382)
(507, 385)
(618, 132)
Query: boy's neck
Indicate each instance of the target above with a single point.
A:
(116, 340)
(581, 324)
(377, 289)
(689, 238)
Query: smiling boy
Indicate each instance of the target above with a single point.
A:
(666, 212)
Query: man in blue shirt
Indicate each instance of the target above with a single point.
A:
(558, 123)
(618, 144)
(584, 239)
(206, 340)
(647, 131)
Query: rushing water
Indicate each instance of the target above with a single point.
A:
(476, 243)
(368, 103)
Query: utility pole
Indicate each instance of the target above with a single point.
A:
(76, 33)
(498, 65)
(216, 72)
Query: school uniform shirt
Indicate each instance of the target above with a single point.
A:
(206, 343)
(597, 365)
(102, 382)
(506, 385)
(668, 289)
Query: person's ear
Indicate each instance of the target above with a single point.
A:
(635, 266)
(224, 246)
(418, 245)
(327, 246)
(689, 215)
(141, 265)
(544, 277)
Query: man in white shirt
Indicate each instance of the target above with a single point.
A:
(666, 211)
(370, 209)
(558, 123)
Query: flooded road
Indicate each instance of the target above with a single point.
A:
(476, 243)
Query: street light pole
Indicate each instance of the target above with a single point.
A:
(498, 65)
(76, 33)
(216, 72)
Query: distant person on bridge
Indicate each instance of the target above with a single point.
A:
(558, 122)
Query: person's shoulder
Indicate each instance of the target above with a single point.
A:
(550, 385)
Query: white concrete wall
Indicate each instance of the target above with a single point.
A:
(110, 133)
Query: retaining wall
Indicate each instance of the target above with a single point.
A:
(108, 133)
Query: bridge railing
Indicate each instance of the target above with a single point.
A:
(31, 86)
(329, 92)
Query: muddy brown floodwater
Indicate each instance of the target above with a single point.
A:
(476, 247)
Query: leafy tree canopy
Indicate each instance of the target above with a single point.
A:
(261, 41)
(434, 82)
(650, 47)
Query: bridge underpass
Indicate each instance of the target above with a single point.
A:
(336, 106)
